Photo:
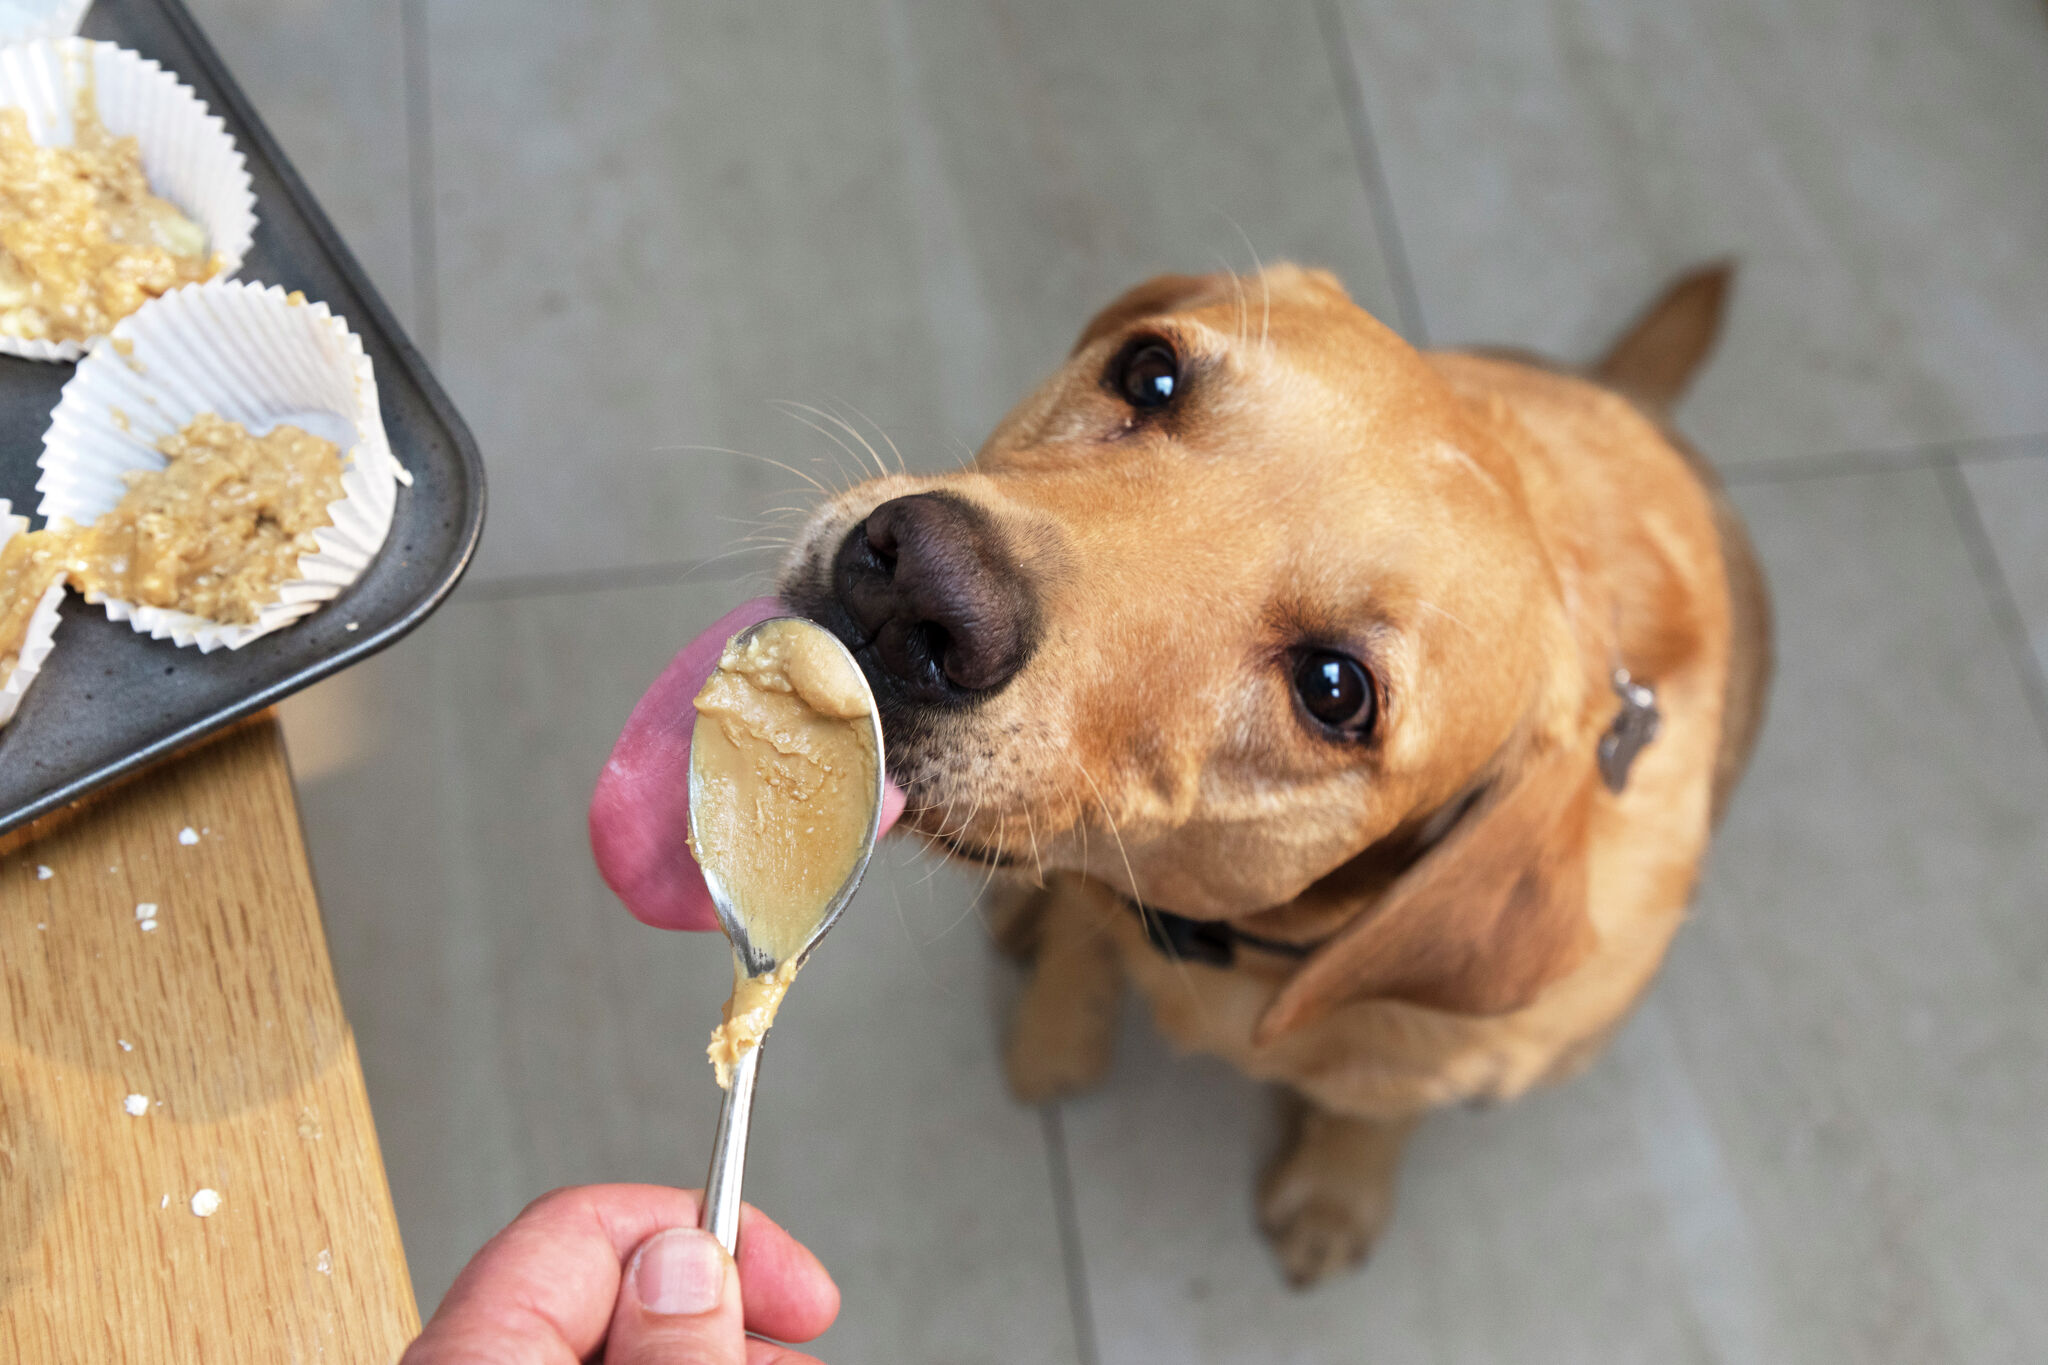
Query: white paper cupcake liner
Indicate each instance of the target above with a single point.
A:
(250, 355)
(24, 21)
(42, 627)
(186, 152)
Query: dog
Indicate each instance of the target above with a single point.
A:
(1367, 709)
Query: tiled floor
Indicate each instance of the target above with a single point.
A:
(634, 228)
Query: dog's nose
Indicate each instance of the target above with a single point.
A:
(929, 585)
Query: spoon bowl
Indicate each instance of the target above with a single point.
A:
(756, 960)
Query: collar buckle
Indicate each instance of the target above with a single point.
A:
(1631, 731)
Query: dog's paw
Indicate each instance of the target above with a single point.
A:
(1323, 1203)
(1318, 1239)
(1057, 1047)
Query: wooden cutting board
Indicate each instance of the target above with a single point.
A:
(223, 1018)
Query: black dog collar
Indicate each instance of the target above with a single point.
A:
(1211, 942)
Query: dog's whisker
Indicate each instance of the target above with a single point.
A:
(745, 455)
(902, 466)
(1109, 818)
(1258, 269)
(988, 878)
(1431, 606)
(1145, 914)
(1237, 292)
(841, 480)
(853, 431)
(796, 410)
(1031, 827)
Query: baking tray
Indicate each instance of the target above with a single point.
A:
(110, 700)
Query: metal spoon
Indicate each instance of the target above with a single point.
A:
(721, 1212)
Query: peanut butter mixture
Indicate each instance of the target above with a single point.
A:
(218, 529)
(747, 1016)
(29, 564)
(83, 243)
(786, 763)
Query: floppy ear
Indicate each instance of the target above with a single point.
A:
(1160, 294)
(1481, 923)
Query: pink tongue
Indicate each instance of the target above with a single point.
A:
(640, 812)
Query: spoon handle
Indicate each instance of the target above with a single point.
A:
(721, 1212)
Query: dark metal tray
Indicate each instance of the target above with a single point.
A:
(110, 700)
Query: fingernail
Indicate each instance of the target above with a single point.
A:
(681, 1273)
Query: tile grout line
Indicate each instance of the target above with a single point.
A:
(1069, 1221)
(1365, 151)
(1972, 450)
(1997, 590)
(576, 582)
(419, 142)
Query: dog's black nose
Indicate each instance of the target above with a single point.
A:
(931, 588)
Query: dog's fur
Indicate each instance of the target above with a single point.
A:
(1494, 536)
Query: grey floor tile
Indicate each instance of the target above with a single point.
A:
(1817, 1141)
(2012, 500)
(657, 221)
(520, 1031)
(328, 78)
(1875, 166)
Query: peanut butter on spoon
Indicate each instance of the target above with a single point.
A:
(785, 767)
(785, 805)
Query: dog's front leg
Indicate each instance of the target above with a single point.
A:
(1063, 1030)
(1324, 1200)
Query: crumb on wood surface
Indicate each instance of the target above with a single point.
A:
(188, 836)
(136, 1105)
(206, 1203)
(44, 872)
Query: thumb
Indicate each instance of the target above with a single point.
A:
(679, 1304)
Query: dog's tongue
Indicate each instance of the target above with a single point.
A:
(640, 813)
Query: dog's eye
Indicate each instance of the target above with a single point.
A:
(1337, 691)
(1146, 374)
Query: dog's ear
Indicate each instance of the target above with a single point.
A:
(1160, 294)
(1655, 360)
(1484, 920)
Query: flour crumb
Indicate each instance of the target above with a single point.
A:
(309, 1123)
(353, 625)
(136, 1105)
(126, 1046)
(43, 873)
(188, 836)
(42, 924)
(147, 926)
(324, 1262)
(146, 910)
(166, 1204)
(206, 1203)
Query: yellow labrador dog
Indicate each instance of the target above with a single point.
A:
(1367, 709)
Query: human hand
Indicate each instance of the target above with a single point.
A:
(624, 1267)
